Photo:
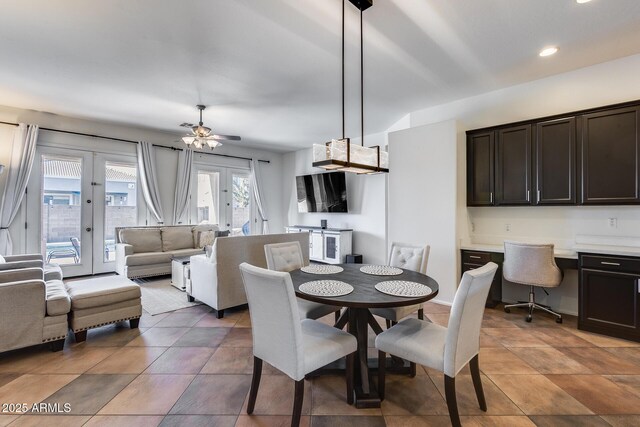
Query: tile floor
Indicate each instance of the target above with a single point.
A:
(189, 368)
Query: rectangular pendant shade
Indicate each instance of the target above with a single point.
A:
(341, 154)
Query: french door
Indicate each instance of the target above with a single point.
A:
(222, 196)
(75, 201)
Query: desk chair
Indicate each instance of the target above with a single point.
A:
(532, 265)
(293, 346)
(445, 349)
(286, 257)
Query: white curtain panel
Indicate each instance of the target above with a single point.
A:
(23, 153)
(183, 186)
(149, 179)
(258, 195)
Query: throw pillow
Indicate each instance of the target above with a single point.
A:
(206, 238)
(224, 233)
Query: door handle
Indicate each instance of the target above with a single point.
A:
(528, 196)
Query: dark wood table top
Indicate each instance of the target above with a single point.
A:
(364, 293)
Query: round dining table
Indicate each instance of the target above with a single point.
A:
(357, 316)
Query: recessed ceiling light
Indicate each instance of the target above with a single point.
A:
(548, 51)
(582, 1)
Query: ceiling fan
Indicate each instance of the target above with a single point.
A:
(201, 135)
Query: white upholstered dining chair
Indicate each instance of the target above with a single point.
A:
(286, 257)
(445, 349)
(409, 257)
(295, 347)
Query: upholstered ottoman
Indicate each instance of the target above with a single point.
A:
(101, 301)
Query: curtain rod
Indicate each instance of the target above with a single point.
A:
(135, 142)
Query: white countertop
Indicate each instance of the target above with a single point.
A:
(559, 253)
(564, 253)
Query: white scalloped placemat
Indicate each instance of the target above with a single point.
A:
(326, 288)
(322, 269)
(380, 270)
(403, 288)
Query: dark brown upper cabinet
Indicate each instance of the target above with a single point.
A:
(555, 162)
(609, 156)
(513, 166)
(480, 169)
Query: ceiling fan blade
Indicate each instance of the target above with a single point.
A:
(186, 125)
(227, 137)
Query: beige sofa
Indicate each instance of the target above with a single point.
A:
(147, 251)
(32, 311)
(216, 280)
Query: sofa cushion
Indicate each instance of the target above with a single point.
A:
(58, 301)
(142, 239)
(174, 238)
(148, 258)
(101, 291)
(186, 252)
(52, 272)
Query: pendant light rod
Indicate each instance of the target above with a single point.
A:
(343, 126)
(201, 108)
(361, 82)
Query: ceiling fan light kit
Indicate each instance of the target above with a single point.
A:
(340, 154)
(201, 135)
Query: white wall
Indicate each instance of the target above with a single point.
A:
(608, 83)
(366, 198)
(166, 158)
(423, 197)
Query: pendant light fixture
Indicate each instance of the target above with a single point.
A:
(340, 154)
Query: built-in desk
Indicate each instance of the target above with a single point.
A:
(565, 258)
(608, 284)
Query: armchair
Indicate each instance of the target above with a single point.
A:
(16, 262)
(31, 311)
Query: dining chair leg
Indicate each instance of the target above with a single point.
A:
(382, 366)
(477, 382)
(336, 316)
(255, 383)
(351, 358)
(412, 369)
(421, 314)
(388, 322)
(452, 404)
(297, 403)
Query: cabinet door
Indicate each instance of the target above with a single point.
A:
(555, 159)
(610, 157)
(332, 248)
(513, 166)
(608, 303)
(480, 169)
(316, 245)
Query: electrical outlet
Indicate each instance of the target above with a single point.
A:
(613, 222)
(507, 227)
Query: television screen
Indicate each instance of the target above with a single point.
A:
(323, 192)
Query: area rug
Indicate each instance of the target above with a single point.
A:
(158, 296)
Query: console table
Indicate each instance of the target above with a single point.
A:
(327, 245)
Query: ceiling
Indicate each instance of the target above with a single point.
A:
(269, 70)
